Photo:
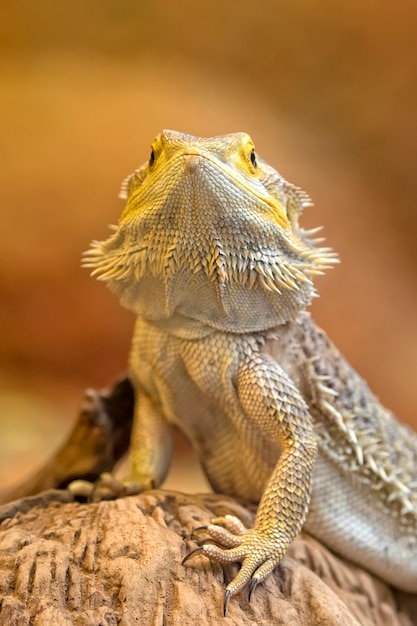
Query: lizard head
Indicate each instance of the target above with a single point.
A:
(210, 236)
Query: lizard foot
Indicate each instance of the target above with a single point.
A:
(258, 550)
(106, 487)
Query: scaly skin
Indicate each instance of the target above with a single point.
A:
(209, 255)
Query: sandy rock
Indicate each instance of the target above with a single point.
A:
(119, 562)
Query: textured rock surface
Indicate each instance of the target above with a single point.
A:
(119, 562)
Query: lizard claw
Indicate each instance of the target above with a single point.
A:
(191, 554)
(226, 601)
(253, 585)
(257, 551)
(199, 529)
(106, 487)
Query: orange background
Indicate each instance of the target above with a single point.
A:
(328, 92)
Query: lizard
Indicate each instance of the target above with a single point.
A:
(209, 255)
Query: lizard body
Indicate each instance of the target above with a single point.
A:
(210, 256)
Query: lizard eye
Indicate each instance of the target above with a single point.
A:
(253, 158)
(152, 158)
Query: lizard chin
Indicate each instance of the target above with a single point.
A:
(222, 296)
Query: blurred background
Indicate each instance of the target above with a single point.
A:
(328, 92)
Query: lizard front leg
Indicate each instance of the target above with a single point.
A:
(270, 399)
(151, 444)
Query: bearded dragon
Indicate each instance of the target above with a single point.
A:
(209, 255)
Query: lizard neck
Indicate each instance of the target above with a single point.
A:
(182, 327)
(190, 303)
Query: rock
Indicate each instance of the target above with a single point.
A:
(64, 562)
